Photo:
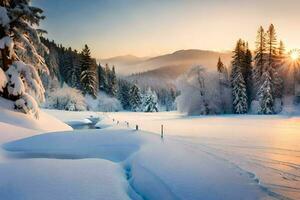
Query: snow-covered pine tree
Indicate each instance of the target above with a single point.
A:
(135, 98)
(88, 78)
(75, 71)
(102, 78)
(248, 76)
(150, 101)
(107, 75)
(20, 61)
(266, 100)
(123, 93)
(240, 104)
(239, 93)
(112, 82)
(273, 63)
(259, 58)
(223, 83)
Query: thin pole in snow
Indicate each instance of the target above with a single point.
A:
(136, 127)
(162, 131)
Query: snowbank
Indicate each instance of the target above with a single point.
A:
(45, 123)
(103, 103)
(46, 179)
(155, 168)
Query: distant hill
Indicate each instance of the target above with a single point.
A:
(169, 65)
(123, 63)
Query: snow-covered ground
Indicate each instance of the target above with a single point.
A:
(228, 157)
(267, 147)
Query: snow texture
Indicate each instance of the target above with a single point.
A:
(3, 80)
(4, 19)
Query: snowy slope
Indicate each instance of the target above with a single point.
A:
(266, 147)
(224, 157)
(155, 168)
(45, 123)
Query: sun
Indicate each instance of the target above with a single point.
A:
(295, 54)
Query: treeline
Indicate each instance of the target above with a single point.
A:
(259, 79)
(79, 70)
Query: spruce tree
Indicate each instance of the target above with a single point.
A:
(248, 76)
(88, 75)
(135, 98)
(20, 63)
(102, 78)
(266, 99)
(239, 93)
(107, 75)
(273, 62)
(112, 82)
(223, 83)
(123, 93)
(259, 58)
(150, 101)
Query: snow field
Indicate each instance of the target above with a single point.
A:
(154, 168)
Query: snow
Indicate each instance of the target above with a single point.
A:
(47, 179)
(207, 157)
(103, 103)
(4, 19)
(165, 167)
(265, 147)
(3, 80)
(7, 42)
(16, 120)
(66, 98)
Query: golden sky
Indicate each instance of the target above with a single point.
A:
(153, 27)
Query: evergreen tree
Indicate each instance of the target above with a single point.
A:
(223, 83)
(135, 98)
(248, 76)
(20, 63)
(107, 75)
(103, 83)
(259, 58)
(88, 75)
(150, 101)
(239, 93)
(112, 82)
(124, 93)
(273, 62)
(265, 95)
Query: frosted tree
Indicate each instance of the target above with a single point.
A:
(135, 98)
(248, 74)
(259, 58)
(123, 93)
(88, 73)
(20, 60)
(112, 82)
(239, 92)
(150, 101)
(273, 65)
(102, 78)
(198, 92)
(266, 100)
(224, 86)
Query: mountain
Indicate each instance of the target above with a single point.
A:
(123, 63)
(171, 65)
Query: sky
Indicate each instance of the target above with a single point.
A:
(155, 27)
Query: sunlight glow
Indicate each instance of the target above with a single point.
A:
(295, 54)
